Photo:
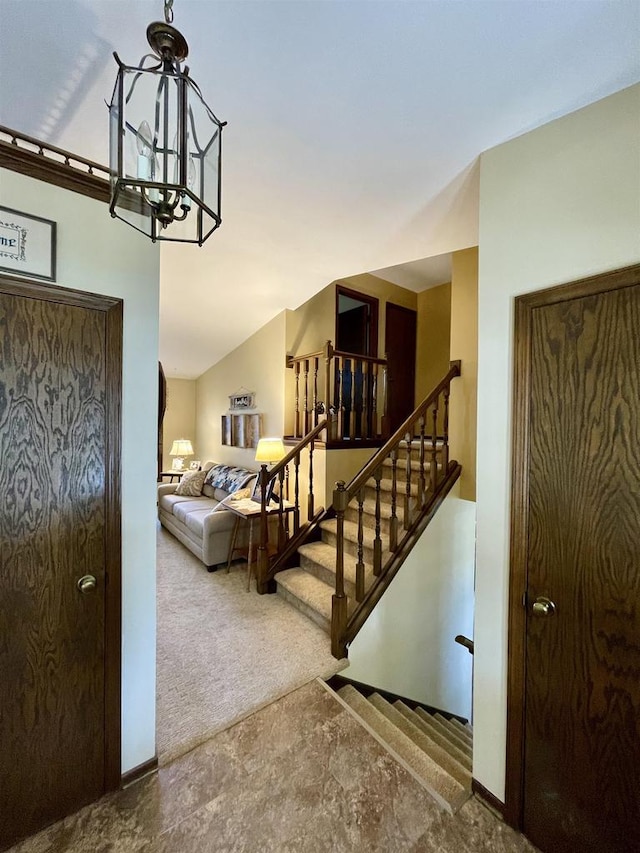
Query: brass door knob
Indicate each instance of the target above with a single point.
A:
(543, 606)
(87, 584)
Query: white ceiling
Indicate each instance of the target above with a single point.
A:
(354, 128)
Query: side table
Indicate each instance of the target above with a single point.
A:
(250, 511)
(172, 474)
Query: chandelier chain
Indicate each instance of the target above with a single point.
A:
(168, 11)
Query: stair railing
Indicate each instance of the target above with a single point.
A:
(419, 475)
(284, 481)
(354, 393)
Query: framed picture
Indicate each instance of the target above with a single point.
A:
(242, 400)
(27, 245)
(257, 492)
(195, 464)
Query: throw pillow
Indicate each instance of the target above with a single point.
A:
(190, 486)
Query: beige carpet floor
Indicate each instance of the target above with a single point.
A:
(222, 652)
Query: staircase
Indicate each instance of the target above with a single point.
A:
(435, 750)
(310, 585)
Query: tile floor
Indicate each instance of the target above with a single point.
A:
(299, 776)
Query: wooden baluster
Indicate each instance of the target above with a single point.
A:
(377, 542)
(339, 600)
(296, 492)
(329, 399)
(434, 447)
(262, 568)
(422, 486)
(445, 441)
(352, 416)
(386, 425)
(340, 395)
(306, 396)
(316, 362)
(296, 371)
(366, 402)
(407, 493)
(286, 497)
(393, 522)
(360, 563)
(310, 500)
(374, 430)
(282, 532)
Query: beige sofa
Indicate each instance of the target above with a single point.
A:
(199, 522)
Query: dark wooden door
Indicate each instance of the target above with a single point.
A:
(581, 768)
(400, 347)
(57, 750)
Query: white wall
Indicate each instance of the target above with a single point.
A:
(102, 255)
(556, 204)
(407, 644)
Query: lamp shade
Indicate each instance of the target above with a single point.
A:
(181, 447)
(270, 450)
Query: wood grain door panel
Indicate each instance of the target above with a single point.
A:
(400, 347)
(52, 532)
(581, 766)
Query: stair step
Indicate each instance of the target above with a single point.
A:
(462, 757)
(350, 529)
(465, 730)
(308, 594)
(319, 559)
(464, 733)
(441, 756)
(456, 727)
(445, 730)
(449, 793)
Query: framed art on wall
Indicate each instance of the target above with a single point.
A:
(27, 245)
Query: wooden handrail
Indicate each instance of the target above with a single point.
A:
(286, 537)
(45, 147)
(399, 435)
(419, 500)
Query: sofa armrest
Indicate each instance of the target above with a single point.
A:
(166, 489)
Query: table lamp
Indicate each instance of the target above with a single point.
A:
(268, 451)
(180, 448)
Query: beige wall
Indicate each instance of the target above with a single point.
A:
(434, 332)
(464, 346)
(256, 365)
(179, 418)
(98, 254)
(557, 204)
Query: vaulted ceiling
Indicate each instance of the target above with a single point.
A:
(353, 128)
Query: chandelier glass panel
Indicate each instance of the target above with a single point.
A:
(165, 146)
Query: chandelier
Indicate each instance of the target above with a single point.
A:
(165, 144)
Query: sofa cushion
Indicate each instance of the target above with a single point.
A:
(228, 478)
(191, 484)
(184, 508)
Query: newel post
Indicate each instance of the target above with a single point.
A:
(262, 570)
(339, 601)
(328, 396)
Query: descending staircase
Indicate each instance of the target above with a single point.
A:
(435, 750)
(309, 586)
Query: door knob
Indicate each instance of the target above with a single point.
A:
(87, 584)
(543, 606)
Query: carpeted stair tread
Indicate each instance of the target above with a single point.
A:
(461, 757)
(401, 464)
(310, 595)
(369, 507)
(322, 556)
(441, 756)
(456, 726)
(449, 793)
(445, 730)
(386, 486)
(350, 531)
(465, 730)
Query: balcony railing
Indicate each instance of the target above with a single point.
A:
(347, 389)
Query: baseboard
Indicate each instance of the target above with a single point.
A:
(490, 799)
(338, 681)
(137, 773)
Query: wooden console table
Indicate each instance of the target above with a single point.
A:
(250, 510)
